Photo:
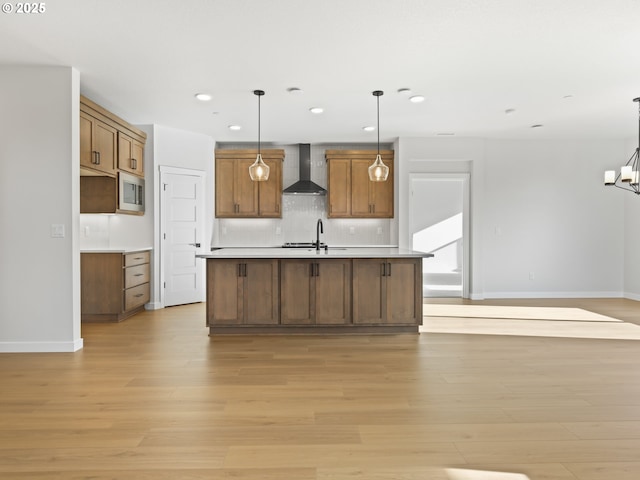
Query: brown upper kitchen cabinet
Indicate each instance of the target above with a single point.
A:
(237, 196)
(98, 145)
(108, 145)
(130, 154)
(350, 192)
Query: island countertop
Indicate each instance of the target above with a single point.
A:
(330, 252)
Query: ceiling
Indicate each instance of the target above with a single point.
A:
(572, 66)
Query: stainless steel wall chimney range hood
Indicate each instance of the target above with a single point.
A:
(304, 186)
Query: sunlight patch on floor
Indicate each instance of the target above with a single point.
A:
(463, 474)
(525, 321)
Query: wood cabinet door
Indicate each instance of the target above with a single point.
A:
(105, 143)
(270, 192)
(130, 155)
(381, 195)
(225, 197)
(102, 283)
(369, 299)
(361, 203)
(225, 293)
(246, 190)
(339, 188)
(403, 291)
(87, 157)
(261, 292)
(297, 294)
(333, 292)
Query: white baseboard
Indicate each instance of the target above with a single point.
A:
(41, 347)
(496, 295)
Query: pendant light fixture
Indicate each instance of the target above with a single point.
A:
(259, 171)
(629, 172)
(378, 171)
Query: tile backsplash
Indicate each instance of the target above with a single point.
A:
(300, 215)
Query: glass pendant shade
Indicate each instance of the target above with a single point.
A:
(259, 171)
(378, 171)
(626, 173)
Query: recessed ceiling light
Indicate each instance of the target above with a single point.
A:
(567, 96)
(509, 111)
(537, 125)
(203, 97)
(445, 134)
(416, 98)
(404, 91)
(294, 90)
(316, 109)
(235, 127)
(369, 128)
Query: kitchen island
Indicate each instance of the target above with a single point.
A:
(304, 290)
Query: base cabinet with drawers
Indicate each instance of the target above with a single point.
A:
(114, 285)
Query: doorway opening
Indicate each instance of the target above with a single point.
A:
(439, 224)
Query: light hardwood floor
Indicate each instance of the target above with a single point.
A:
(155, 398)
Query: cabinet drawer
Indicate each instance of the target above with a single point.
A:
(136, 296)
(136, 275)
(136, 258)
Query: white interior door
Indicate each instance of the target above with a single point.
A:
(182, 235)
(439, 224)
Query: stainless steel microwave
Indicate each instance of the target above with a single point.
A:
(130, 193)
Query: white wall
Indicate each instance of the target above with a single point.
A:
(39, 187)
(548, 215)
(539, 209)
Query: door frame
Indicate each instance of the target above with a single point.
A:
(164, 171)
(466, 219)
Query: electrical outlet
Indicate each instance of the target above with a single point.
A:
(352, 230)
(57, 230)
(379, 230)
(532, 276)
(278, 231)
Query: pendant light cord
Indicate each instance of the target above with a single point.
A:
(258, 124)
(378, 119)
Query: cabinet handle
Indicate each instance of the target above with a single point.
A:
(138, 274)
(139, 295)
(389, 270)
(312, 270)
(98, 157)
(384, 269)
(317, 269)
(244, 269)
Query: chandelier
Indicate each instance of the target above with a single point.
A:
(628, 176)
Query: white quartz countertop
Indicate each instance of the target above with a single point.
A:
(115, 250)
(331, 252)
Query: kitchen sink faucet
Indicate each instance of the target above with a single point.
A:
(319, 230)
